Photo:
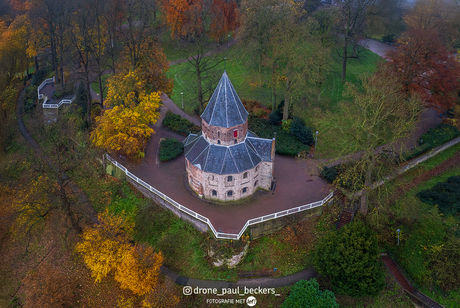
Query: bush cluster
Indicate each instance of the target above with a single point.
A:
(170, 148)
(306, 293)
(439, 135)
(445, 195)
(182, 126)
(350, 258)
(302, 132)
(286, 143)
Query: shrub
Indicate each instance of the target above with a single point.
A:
(286, 144)
(389, 38)
(39, 77)
(275, 117)
(302, 132)
(170, 148)
(417, 151)
(329, 174)
(307, 294)
(350, 258)
(182, 126)
(445, 195)
(445, 263)
(439, 135)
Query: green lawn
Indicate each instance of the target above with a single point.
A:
(95, 84)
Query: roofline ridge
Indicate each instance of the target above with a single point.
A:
(234, 162)
(247, 150)
(223, 161)
(236, 103)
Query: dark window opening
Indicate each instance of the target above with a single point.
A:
(218, 141)
(229, 178)
(214, 193)
(235, 141)
(245, 175)
(255, 184)
(245, 190)
(230, 193)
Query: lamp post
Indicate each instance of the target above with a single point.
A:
(398, 235)
(182, 95)
(228, 40)
(316, 139)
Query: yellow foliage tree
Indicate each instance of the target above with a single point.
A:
(139, 270)
(124, 129)
(105, 245)
(428, 15)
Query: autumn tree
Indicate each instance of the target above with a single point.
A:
(300, 57)
(225, 19)
(428, 15)
(350, 27)
(378, 115)
(423, 65)
(104, 245)
(106, 248)
(139, 270)
(257, 21)
(124, 128)
(48, 287)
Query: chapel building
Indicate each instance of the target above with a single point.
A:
(225, 161)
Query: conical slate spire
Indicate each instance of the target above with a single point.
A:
(225, 108)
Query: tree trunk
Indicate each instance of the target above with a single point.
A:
(367, 183)
(344, 59)
(286, 102)
(273, 87)
(101, 94)
(200, 93)
(36, 64)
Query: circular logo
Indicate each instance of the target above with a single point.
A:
(187, 290)
(251, 301)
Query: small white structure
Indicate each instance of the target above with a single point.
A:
(225, 161)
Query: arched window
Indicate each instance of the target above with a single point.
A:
(229, 178)
(235, 141)
(255, 184)
(211, 178)
(218, 141)
(245, 190)
(245, 175)
(214, 193)
(257, 168)
(230, 193)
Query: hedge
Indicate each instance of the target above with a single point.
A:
(445, 195)
(439, 135)
(286, 143)
(179, 125)
(170, 148)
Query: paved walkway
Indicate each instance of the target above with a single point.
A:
(298, 184)
(250, 283)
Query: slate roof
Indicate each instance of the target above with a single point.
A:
(230, 159)
(225, 108)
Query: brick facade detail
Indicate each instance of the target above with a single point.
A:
(224, 136)
(227, 187)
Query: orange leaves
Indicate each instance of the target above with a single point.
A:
(104, 245)
(139, 270)
(187, 17)
(105, 249)
(224, 18)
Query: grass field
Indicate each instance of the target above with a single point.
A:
(248, 85)
(95, 84)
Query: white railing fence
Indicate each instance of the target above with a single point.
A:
(43, 84)
(64, 101)
(220, 235)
